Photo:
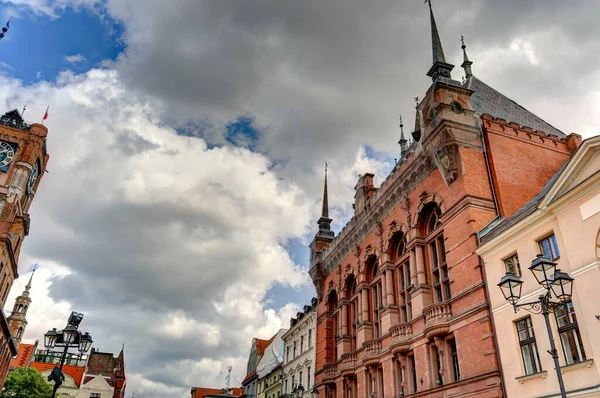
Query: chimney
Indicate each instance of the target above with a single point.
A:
(573, 142)
(363, 189)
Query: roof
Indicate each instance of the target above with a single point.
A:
(25, 353)
(261, 345)
(487, 100)
(76, 372)
(201, 392)
(249, 377)
(524, 211)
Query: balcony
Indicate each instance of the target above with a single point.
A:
(329, 372)
(437, 317)
(372, 349)
(401, 334)
(348, 363)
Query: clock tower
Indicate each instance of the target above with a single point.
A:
(23, 160)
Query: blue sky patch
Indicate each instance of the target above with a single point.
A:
(38, 47)
(243, 132)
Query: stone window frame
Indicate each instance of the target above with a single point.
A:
(530, 342)
(509, 262)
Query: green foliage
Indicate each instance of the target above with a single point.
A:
(26, 383)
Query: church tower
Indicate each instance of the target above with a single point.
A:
(17, 321)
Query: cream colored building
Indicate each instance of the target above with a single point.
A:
(563, 223)
(299, 343)
(96, 387)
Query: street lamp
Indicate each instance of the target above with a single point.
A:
(551, 279)
(314, 392)
(69, 337)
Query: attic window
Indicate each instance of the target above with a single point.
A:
(456, 107)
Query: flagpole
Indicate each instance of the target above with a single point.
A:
(45, 114)
(24, 108)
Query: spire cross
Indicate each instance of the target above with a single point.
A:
(428, 1)
(417, 100)
(462, 40)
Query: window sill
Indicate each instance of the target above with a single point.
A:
(583, 364)
(523, 379)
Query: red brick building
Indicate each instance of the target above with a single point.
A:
(403, 308)
(23, 160)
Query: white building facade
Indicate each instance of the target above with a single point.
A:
(299, 350)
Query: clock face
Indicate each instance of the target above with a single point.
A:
(34, 175)
(7, 153)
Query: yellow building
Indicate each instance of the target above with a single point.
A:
(272, 383)
(562, 223)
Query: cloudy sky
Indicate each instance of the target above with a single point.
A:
(187, 141)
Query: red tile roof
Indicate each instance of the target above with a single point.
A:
(25, 352)
(261, 345)
(76, 372)
(201, 392)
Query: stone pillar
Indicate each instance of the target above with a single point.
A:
(413, 267)
(359, 307)
(384, 289)
(439, 343)
(389, 282)
(420, 259)
(344, 318)
(365, 304)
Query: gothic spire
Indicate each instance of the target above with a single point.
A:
(440, 67)
(324, 221)
(325, 209)
(466, 65)
(28, 286)
(403, 140)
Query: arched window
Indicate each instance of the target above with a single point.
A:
(20, 308)
(333, 333)
(397, 246)
(19, 333)
(436, 252)
(399, 255)
(375, 296)
(352, 315)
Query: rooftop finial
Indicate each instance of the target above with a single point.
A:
(325, 210)
(416, 134)
(402, 141)
(466, 65)
(440, 67)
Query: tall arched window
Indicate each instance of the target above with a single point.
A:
(19, 333)
(436, 252)
(333, 334)
(400, 257)
(352, 309)
(375, 296)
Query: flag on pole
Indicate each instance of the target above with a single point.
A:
(45, 114)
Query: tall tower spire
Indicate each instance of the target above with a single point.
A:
(403, 140)
(440, 67)
(325, 209)
(324, 221)
(466, 65)
(17, 321)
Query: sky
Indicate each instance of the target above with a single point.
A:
(187, 143)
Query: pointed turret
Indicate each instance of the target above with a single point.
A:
(466, 65)
(325, 208)
(17, 321)
(403, 140)
(324, 221)
(440, 67)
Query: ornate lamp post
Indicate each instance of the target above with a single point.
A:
(69, 337)
(551, 279)
(314, 393)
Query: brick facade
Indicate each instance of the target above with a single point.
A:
(23, 160)
(402, 302)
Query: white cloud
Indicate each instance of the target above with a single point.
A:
(75, 58)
